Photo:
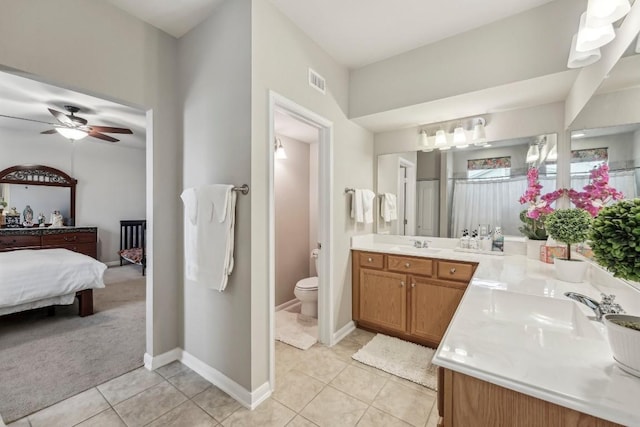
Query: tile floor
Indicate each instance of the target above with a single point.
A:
(318, 387)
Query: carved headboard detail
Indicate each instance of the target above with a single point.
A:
(41, 175)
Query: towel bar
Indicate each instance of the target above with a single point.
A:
(349, 190)
(244, 189)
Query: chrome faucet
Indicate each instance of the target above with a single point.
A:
(606, 306)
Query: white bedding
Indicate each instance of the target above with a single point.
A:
(32, 275)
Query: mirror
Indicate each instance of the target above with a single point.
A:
(617, 146)
(441, 193)
(44, 189)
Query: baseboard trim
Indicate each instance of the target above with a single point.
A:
(288, 304)
(343, 332)
(249, 400)
(154, 362)
(113, 264)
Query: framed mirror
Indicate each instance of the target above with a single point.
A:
(441, 193)
(43, 188)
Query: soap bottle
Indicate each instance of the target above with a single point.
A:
(464, 240)
(498, 240)
(473, 242)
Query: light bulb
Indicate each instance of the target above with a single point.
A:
(72, 133)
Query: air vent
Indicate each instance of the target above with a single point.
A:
(317, 82)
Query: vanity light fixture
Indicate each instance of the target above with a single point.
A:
(459, 137)
(553, 154)
(533, 154)
(578, 135)
(280, 153)
(582, 59)
(441, 140)
(423, 142)
(73, 134)
(590, 38)
(479, 135)
(603, 12)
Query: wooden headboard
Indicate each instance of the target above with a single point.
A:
(41, 175)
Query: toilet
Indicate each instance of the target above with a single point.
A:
(306, 291)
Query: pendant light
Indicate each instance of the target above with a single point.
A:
(590, 38)
(280, 153)
(603, 12)
(581, 59)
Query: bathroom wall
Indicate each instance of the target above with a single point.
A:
(387, 174)
(428, 165)
(313, 205)
(518, 154)
(292, 208)
(619, 147)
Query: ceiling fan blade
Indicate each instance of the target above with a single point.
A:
(102, 136)
(62, 118)
(109, 129)
(27, 120)
(49, 132)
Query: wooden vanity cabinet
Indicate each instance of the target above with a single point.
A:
(412, 298)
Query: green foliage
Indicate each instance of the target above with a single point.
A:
(615, 239)
(532, 228)
(568, 226)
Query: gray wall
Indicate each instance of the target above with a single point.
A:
(128, 61)
(215, 90)
(291, 182)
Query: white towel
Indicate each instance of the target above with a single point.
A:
(190, 199)
(357, 209)
(389, 207)
(368, 197)
(213, 233)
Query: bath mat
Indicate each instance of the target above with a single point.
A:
(400, 358)
(296, 330)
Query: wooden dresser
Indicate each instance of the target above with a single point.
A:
(78, 239)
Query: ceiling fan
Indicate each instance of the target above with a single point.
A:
(75, 127)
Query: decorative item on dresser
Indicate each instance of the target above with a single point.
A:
(133, 242)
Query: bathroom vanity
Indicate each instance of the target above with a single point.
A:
(513, 350)
(409, 297)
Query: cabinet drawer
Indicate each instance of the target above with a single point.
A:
(371, 260)
(457, 271)
(64, 238)
(88, 249)
(421, 266)
(7, 242)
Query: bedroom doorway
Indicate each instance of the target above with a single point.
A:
(82, 352)
(319, 238)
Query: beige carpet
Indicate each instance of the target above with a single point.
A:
(401, 358)
(45, 360)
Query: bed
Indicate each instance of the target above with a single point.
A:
(133, 242)
(34, 278)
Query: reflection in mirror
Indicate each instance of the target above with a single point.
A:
(476, 185)
(616, 146)
(41, 199)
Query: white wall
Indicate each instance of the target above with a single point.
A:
(291, 182)
(111, 180)
(313, 205)
(215, 90)
(528, 45)
(128, 61)
(280, 61)
(619, 147)
(518, 154)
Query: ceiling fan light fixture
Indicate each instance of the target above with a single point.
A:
(72, 133)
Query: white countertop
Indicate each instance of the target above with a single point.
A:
(515, 328)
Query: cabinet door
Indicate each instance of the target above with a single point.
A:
(383, 299)
(432, 307)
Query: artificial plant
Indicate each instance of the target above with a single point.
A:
(568, 226)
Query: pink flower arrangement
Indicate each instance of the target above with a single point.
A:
(594, 196)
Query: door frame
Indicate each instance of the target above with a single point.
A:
(280, 103)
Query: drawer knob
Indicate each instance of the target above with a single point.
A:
(413, 285)
(407, 265)
(452, 271)
(369, 259)
(70, 239)
(401, 284)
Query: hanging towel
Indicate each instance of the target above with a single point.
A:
(368, 197)
(190, 199)
(389, 207)
(357, 209)
(213, 233)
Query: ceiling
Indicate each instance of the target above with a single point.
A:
(286, 125)
(30, 99)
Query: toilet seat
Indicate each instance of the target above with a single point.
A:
(308, 284)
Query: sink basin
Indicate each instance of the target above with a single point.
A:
(414, 250)
(545, 314)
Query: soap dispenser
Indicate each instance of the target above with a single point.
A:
(474, 243)
(464, 240)
(498, 240)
